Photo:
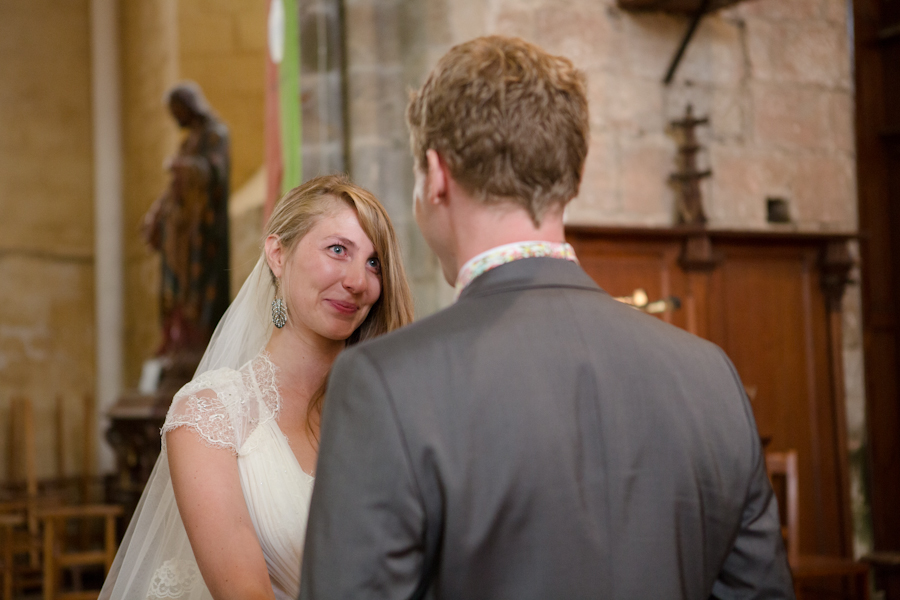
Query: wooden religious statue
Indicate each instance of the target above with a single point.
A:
(188, 225)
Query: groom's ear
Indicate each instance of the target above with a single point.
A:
(275, 255)
(437, 177)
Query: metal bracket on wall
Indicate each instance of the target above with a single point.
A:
(695, 9)
(688, 35)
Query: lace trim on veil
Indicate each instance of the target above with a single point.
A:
(225, 406)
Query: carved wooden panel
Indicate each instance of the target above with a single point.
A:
(770, 317)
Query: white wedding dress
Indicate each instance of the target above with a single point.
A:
(236, 410)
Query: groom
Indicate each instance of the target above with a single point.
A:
(537, 439)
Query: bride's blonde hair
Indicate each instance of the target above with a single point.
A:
(301, 208)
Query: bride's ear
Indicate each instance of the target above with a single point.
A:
(275, 255)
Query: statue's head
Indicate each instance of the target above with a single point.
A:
(187, 103)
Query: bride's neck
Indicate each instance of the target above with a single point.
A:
(303, 363)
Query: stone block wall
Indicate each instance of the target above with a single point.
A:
(386, 45)
(222, 46)
(46, 221)
(774, 78)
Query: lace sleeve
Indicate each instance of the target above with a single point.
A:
(214, 406)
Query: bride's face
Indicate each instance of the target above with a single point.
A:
(333, 277)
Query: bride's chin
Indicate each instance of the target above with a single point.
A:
(339, 334)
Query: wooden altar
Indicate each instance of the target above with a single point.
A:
(772, 301)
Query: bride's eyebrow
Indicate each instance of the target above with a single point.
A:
(342, 240)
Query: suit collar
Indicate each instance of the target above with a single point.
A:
(529, 273)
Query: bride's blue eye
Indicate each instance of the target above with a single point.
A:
(374, 263)
(338, 249)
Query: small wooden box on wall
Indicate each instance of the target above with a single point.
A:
(772, 301)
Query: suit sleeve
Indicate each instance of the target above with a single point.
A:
(366, 522)
(756, 566)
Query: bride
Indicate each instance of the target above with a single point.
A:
(224, 513)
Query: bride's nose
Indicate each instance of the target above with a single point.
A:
(355, 280)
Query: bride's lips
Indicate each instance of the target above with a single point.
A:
(347, 308)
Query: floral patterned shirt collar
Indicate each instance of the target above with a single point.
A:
(495, 257)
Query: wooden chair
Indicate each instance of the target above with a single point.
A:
(42, 510)
(8, 522)
(809, 568)
(83, 487)
(58, 558)
(24, 540)
(22, 544)
(886, 568)
(22, 480)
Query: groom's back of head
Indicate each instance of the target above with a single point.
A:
(509, 119)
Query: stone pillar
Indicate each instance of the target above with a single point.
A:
(386, 46)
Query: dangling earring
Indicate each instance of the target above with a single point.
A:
(279, 313)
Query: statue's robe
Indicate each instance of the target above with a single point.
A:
(193, 238)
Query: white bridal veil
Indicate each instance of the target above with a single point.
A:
(155, 560)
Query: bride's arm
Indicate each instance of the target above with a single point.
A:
(208, 492)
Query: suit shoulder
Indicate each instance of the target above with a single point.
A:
(645, 324)
(642, 338)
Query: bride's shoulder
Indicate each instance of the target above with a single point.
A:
(218, 405)
(208, 405)
(222, 390)
(225, 405)
(227, 384)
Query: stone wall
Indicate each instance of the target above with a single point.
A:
(384, 41)
(773, 76)
(46, 227)
(222, 46)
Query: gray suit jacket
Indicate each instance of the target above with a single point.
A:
(540, 440)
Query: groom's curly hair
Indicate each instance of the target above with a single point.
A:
(509, 119)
